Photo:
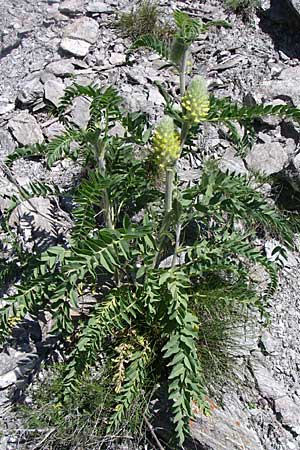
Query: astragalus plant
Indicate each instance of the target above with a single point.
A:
(151, 258)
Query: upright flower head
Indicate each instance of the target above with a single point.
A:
(166, 143)
(196, 101)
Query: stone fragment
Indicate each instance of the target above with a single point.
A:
(6, 105)
(267, 385)
(25, 129)
(117, 58)
(84, 28)
(268, 342)
(8, 379)
(7, 144)
(269, 158)
(295, 5)
(71, 7)
(289, 413)
(62, 67)
(117, 130)
(224, 429)
(54, 90)
(98, 6)
(232, 163)
(155, 96)
(81, 112)
(76, 47)
(32, 89)
(9, 41)
(285, 87)
(54, 130)
(79, 35)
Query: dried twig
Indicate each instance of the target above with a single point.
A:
(151, 429)
(39, 444)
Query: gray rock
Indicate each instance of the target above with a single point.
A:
(84, 28)
(8, 364)
(6, 105)
(98, 6)
(80, 112)
(54, 90)
(79, 35)
(117, 59)
(267, 385)
(225, 429)
(155, 96)
(232, 163)
(71, 7)
(269, 158)
(8, 379)
(46, 76)
(62, 67)
(76, 47)
(289, 413)
(285, 87)
(25, 129)
(268, 342)
(117, 130)
(32, 89)
(54, 130)
(7, 144)
(295, 4)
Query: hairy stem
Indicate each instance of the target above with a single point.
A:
(183, 72)
(100, 155)
(169, 189)
(184, 132)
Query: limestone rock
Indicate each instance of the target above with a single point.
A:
(84, 28)
(225, 429)
(269, 158)
(71, 7)
(76, 47)
(117, 59)
(285, 87)
(289, 413)
(267, 385)
(32, 89)
(80, 113)
(98, 6)
(54, 90)
(6, 105)
(25, 129)
(54, 130)
(7, 144)
(231, 162)
(78, 36)
(62, 67)
(295, 4)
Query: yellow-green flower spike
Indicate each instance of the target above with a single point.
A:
(196, 101)
(166, 143)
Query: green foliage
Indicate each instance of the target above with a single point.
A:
(142, 19)
(155, 268)
(80, 422)
(175, 46)
(244, 7)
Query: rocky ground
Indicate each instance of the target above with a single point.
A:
(44, 47)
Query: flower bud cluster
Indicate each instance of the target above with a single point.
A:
(166, 143)
(196, 101)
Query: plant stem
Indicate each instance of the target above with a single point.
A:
(100, 155)
(170, 172)
(169, 189)
(183, 72)
(184, 132)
